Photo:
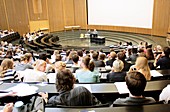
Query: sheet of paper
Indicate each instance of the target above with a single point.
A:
(87, 86)
(121, 87)
(155, 73)
(23, 89)
(104, 75)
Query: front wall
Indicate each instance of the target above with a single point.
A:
(56, 18)
(37, 16)
(3, 20)
(17, 15)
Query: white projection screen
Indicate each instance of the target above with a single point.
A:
(130, 13)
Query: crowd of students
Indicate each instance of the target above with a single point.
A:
(84, 69)
(4, 33)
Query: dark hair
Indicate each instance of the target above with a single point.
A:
(43, 56)
(9, 54)
(80, 53)
(102, 56)
(149, 54)
(67, 52)
(121, 56)
(134, 50)
(136, 83)
(95, 55)
(89, 64)
(64, 80)
(75, 58)
(166, 51)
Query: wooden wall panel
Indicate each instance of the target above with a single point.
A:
(80, 13)
(68, 6)
(60, 13)
(56, 16)
(17, 15)
(37, 16)
(3, 19)
(161, 18)
(39, 25)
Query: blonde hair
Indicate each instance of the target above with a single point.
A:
(142, 65)
(118, 65)
(39, 63)
(60, 65)
(26, 57)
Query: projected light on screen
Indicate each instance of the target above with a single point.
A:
(131, 13)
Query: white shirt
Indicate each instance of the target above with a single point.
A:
(31, 75)
(165, 94)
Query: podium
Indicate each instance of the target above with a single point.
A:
(97, 40)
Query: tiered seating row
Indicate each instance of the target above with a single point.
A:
(11, 37)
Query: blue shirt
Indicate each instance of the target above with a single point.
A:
(86, 76)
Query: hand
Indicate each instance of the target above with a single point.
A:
(8, 107)
(44, 95)
(12, 94)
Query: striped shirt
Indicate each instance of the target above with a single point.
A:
(9, 76)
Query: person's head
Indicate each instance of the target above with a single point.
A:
(102, 57)
(67, 53)
(9, 53)
(7, 64)
(166, 51)
(95, 55)
(121, 56)
(58, 57)
(87, 63)
(113, 55)
(40, 65)
(56, 52)
(64, 80)
(43, 56)
(75, 58)
(71, 54)
(136, 83)
(159, 48)
(149, 54)
(118, 65)
(141, 64)
(28, 57)
(80, 53)
(134, 50)
(59, 65)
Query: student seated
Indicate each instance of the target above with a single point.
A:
(136, 83)
(87, 74)
(116, 75)
(7, 72)
(25, 62)
(142, 66)
(68, 95)
(37, 74)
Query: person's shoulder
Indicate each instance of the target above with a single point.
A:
(79, 71)
(150, 100)
(120, 101)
